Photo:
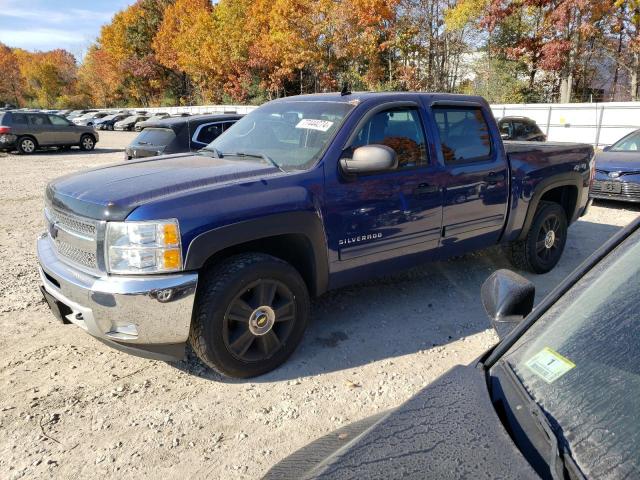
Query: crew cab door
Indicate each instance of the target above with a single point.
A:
(476, 190)
(377, 216)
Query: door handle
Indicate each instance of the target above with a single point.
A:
(494, 177)
(424, 188)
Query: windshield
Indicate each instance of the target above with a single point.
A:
(292, 133)
(581, 363)
(630, 143)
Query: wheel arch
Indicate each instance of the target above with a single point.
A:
(297, 238)
(565, 192)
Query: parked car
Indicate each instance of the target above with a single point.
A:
(155, 117)
(78, 113)
(618, 170)
(520, 128)
(128, 123)
(89, 118)
(302, 195)
(27, 132)
(556, 398)
(108, 122)
(178, 135)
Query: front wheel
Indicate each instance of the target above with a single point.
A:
(542, 248)
(250, 315)
(87, 143)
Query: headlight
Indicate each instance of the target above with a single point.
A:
(143, 247)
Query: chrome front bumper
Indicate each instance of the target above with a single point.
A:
(149, 316)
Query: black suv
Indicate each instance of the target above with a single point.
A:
(178, 134)
(520, 128)
(26, 132)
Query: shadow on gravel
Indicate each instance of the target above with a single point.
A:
(401, 314)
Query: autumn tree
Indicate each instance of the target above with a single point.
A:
(11, 82)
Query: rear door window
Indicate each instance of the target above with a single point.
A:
(155, 136)
(464, 134)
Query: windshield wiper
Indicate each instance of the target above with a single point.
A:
(561, 460)
(263, 156)
(216, 153)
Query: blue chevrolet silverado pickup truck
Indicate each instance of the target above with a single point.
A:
(222, 249)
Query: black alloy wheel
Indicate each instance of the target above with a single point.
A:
(250, 314)
(259, 320)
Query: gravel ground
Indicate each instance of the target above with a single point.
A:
(74, 408)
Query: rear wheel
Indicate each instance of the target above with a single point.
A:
(542, 248)
(250, 315)
(87, 143)
(27, 145)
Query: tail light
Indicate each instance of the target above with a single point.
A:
(4, 129)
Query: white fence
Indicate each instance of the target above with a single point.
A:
(599, 124)
(192, 110)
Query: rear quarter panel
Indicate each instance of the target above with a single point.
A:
(536, 168)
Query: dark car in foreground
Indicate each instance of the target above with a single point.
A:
(618, 170)
(178, 135)
(557, 398)
(127, 124)
(27, 132)
(520, 128)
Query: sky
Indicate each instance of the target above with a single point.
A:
(49, 24)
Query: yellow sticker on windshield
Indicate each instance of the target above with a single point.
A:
(549, 365)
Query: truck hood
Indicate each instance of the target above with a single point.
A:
(618, 161)
(113, 192)
(448, 430)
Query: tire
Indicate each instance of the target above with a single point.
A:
(87, 143)
(26, 145)
(250, 314)
(540, 250)
(110, 128)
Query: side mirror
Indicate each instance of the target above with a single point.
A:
(607, 148)
(370, 159)
(507, 298)
(504, 136)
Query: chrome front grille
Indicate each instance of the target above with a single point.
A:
(86, 259)
(72, 223)
(74, 238)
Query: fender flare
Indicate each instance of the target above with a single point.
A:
(308, 224)
(570, 179)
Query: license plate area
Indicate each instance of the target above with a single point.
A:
(612, 187)
(59, 309)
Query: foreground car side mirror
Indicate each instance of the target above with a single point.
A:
(607, 148)
(370, 159)
(507, 298)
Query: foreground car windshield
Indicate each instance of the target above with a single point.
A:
(292, 134)
(630, 143)
(581, 363)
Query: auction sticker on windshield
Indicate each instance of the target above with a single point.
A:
(312, 124)
(549, 365)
